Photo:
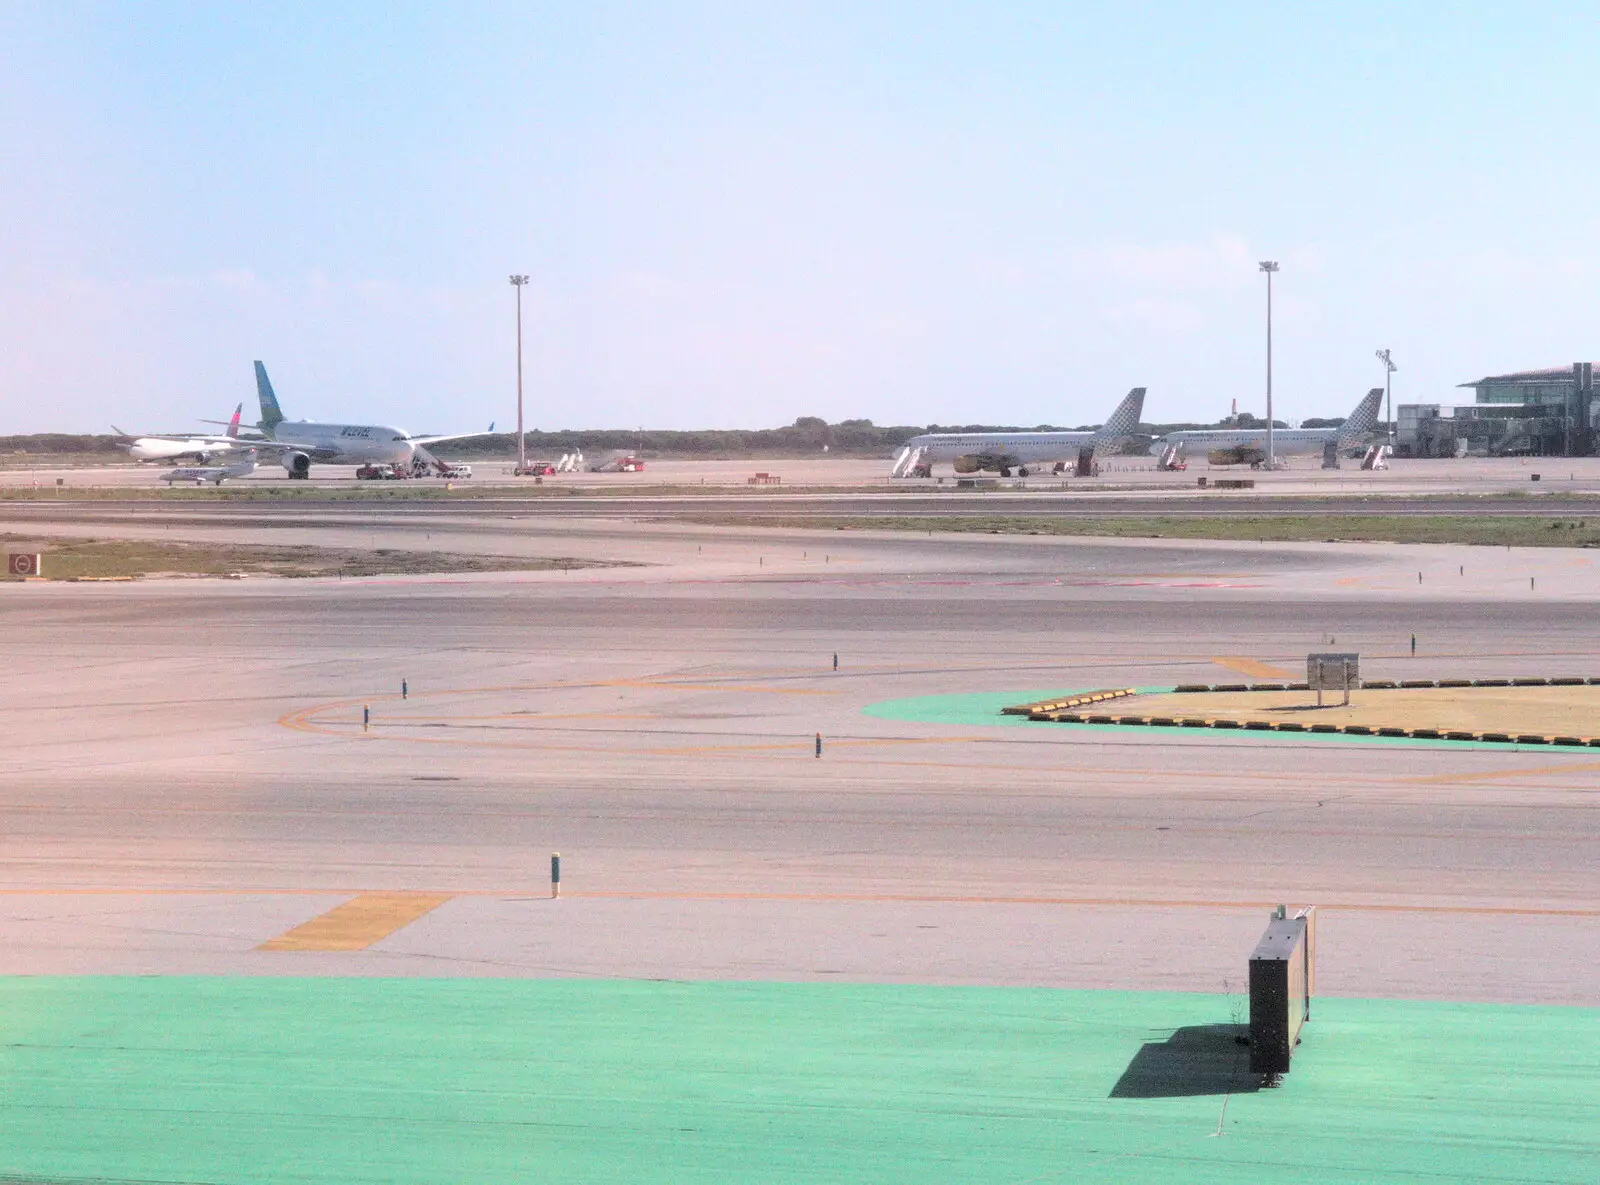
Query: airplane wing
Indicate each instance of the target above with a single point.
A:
(489, 431)
(282, 446)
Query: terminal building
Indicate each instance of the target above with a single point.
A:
(1541, 413)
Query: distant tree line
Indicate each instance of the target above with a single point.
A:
(59, 442)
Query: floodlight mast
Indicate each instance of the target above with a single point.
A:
(1388, 390)
(522, 444)
(1269, 266)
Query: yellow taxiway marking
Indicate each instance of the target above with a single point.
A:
(1251, 667)
(358, 923)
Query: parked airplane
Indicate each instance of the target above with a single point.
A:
(1248, 446)
(1025, 452)
(300, 442)
(173, 448)
(241, 466)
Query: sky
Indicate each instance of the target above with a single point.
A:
(733, 215)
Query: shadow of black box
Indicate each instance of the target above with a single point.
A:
(1195, 1060)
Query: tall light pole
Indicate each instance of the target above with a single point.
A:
(1269, 266)
(518, 282)
(1388, 390)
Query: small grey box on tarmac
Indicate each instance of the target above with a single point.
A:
(555, 874)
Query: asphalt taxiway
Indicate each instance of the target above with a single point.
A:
(189, 779)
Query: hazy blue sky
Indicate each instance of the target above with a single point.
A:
(737, 214)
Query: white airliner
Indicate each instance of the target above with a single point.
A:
(1026, 452)
(1248, 446)
(241, 465)
(174, 448)
(300, 442)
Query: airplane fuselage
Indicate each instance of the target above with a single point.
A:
(1016, 448)
(151, 448)
(241, 466)
(1285, 441)
(1001, 452)
(1241, 446)
(347, 444)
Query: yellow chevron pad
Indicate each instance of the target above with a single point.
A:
(358, 923)
(1252, 667)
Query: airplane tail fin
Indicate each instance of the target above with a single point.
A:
(1123, 422)
(233, 424)
(271, 414)
(1362, 419)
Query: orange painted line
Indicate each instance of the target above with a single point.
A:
(1495, 774)
(434, 721)
(301, 721)
(1142, 902)
(351, 731)
(358, 923)
(677, 685)
(855, 742)
(541, 892)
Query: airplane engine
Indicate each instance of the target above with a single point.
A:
(296, 465)
(969, 464)
(1243, 455)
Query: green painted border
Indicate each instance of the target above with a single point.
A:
(983, 708)
(346, 1081)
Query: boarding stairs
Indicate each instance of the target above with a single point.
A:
(1377, 457)
(570, 463)
(909, 462)
(1171, 459)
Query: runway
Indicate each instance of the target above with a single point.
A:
(192, 779)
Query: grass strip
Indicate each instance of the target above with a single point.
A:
(1482, 530)
(103, 559)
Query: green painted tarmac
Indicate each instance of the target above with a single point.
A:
(965, 709)
(457, 1080)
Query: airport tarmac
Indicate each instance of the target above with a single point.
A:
(188, 785)
(1120, 476)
